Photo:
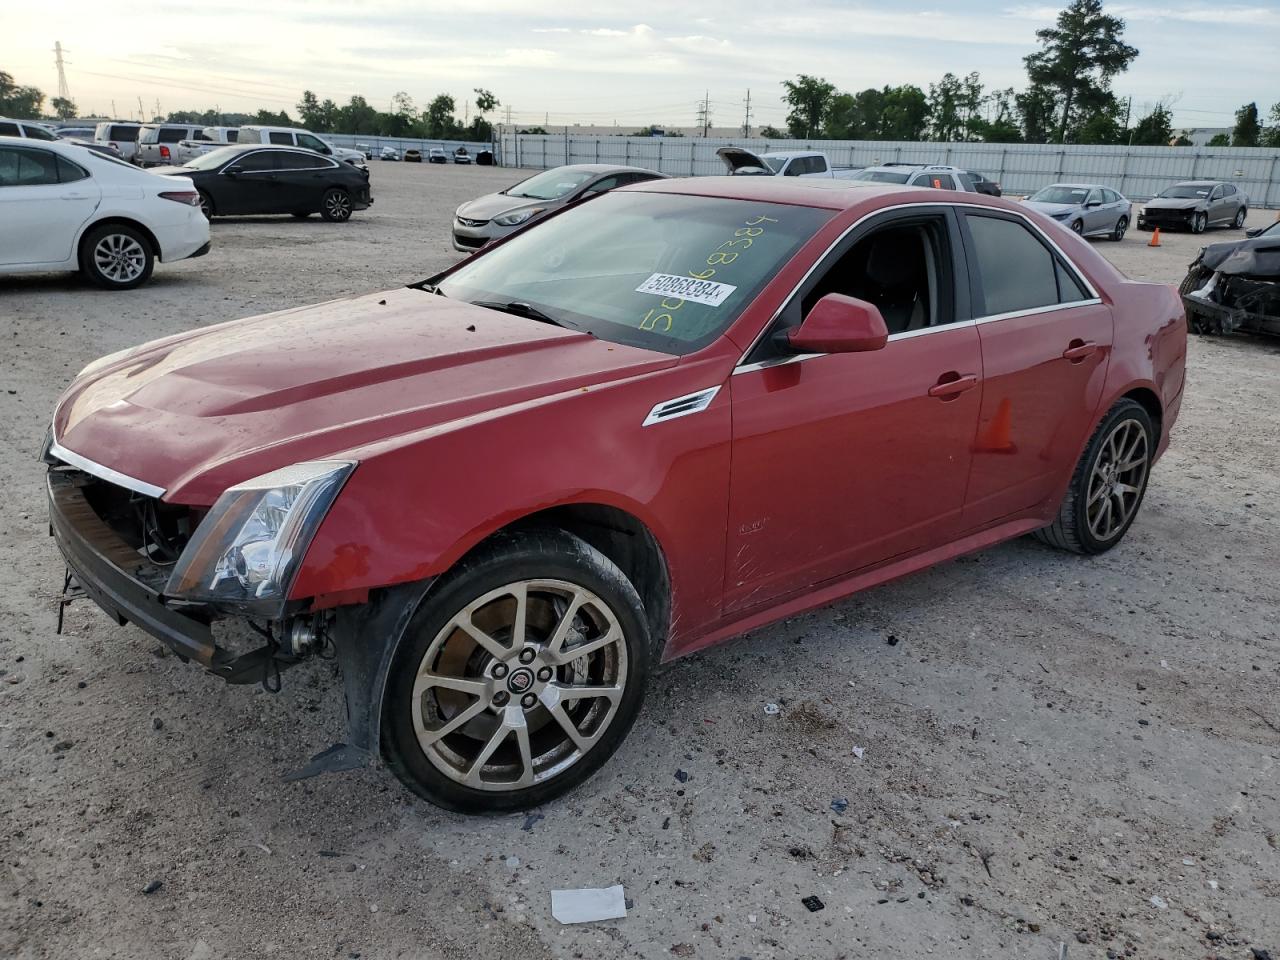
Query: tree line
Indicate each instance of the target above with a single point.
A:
(1068, 99)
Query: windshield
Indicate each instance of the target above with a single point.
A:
(881, 176)
(660, 271)
(551, 185)
(1186, 191)
(775, 163)
(1060, 194)
(213, 159)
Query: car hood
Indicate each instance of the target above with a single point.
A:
(496, 204)
(199, 412)
(1052, 209)
(739, 158)
(1174, 203)
(1258, 257)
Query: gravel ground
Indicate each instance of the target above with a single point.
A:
(1057, 750)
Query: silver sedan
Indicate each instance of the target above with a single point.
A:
(1089, 209)
(495, 215)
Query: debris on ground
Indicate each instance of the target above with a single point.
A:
(859, 751)
(840, 804)
(813, 904)
(682, 776)
(771, 709)
(1159, 902)
(589, 904)
(152, 887)
(530, 820)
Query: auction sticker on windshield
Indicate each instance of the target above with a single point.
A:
(687, 288)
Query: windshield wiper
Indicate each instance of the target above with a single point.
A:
(521, 309)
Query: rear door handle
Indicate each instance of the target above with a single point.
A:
(1077, 350)
(951, 385)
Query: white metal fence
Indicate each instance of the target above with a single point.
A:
(1137, 172)
(401, 144)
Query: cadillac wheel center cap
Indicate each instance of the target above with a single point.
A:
(520, 681)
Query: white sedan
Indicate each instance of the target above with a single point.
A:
(63, 207)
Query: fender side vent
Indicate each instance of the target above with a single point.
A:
(681, 406)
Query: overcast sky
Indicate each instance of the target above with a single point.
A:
(635, 63)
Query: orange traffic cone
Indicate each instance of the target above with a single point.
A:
(1155, 239)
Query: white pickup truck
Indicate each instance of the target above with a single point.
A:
(742, 162)
(211, 138)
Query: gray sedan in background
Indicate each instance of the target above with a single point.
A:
(1089, 209)
(495, 215)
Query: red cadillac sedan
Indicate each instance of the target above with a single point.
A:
(658, 419)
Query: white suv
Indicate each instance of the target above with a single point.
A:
(122, 136)
(25, 128)
(297, 137)
(66, 208)
(935, 175)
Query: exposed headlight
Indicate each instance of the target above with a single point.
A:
(246, 551)
(518, 217)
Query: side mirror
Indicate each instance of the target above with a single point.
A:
(1093, 203)
(839, 324)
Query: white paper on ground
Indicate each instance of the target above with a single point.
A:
(584, 906)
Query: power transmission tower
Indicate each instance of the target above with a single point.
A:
(142, 112)
(63, 90)
(746, 119)
(704, 112)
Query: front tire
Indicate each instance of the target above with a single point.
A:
(1199, 222)
(518, 675)
(1077, 227)
(1121, 226)
(116, 257)
(1108, 484)
(335, 205)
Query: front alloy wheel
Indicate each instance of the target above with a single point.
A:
(1121, 226)
(518, 677)
(116, 257)
(1108, 484)
(1199, 222)
(1077, 227)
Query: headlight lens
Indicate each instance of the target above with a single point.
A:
(246, 552)
(518, 217)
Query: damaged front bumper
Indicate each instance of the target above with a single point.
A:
(1226, 304)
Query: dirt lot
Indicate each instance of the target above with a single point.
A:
(1057, 750)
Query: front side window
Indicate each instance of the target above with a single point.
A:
(665, 272)
(1015, 269)
(173, 134)
(122, 134)
(903, 268)
(1095, 196)
(27, 168)
(258, 161)
(283, 139)
(313, 143)
(38, 133)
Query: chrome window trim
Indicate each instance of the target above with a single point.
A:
(1094, 298)
(73, 459)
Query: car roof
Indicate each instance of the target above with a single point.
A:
(833, 194)
(1082, 186)
(605, 168)
(1198, 183)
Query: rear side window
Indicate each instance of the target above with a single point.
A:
(301, 161)
(285, 139)
(815, 165)
(233, 136)
(39, 133)
(1015, 270)
(124, 134)
(173, 134)
(8, 129)
(69, 172)
(27, 168)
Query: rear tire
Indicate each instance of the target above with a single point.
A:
(206, 205)
(116, 257)
(1108, 484)
(1241, 215)
(335, 205)
(509, 748)
(1121, 226)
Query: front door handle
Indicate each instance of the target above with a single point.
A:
(951, 385)
(1077, 350)
(74, 196)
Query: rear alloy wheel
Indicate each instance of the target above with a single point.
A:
(518, 676)
(1199, 222)
(1241, 214)
(1108, 484)
(335, 205)
(206, 205)
(1077, 226)
(1121, 226)
(116, 257)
